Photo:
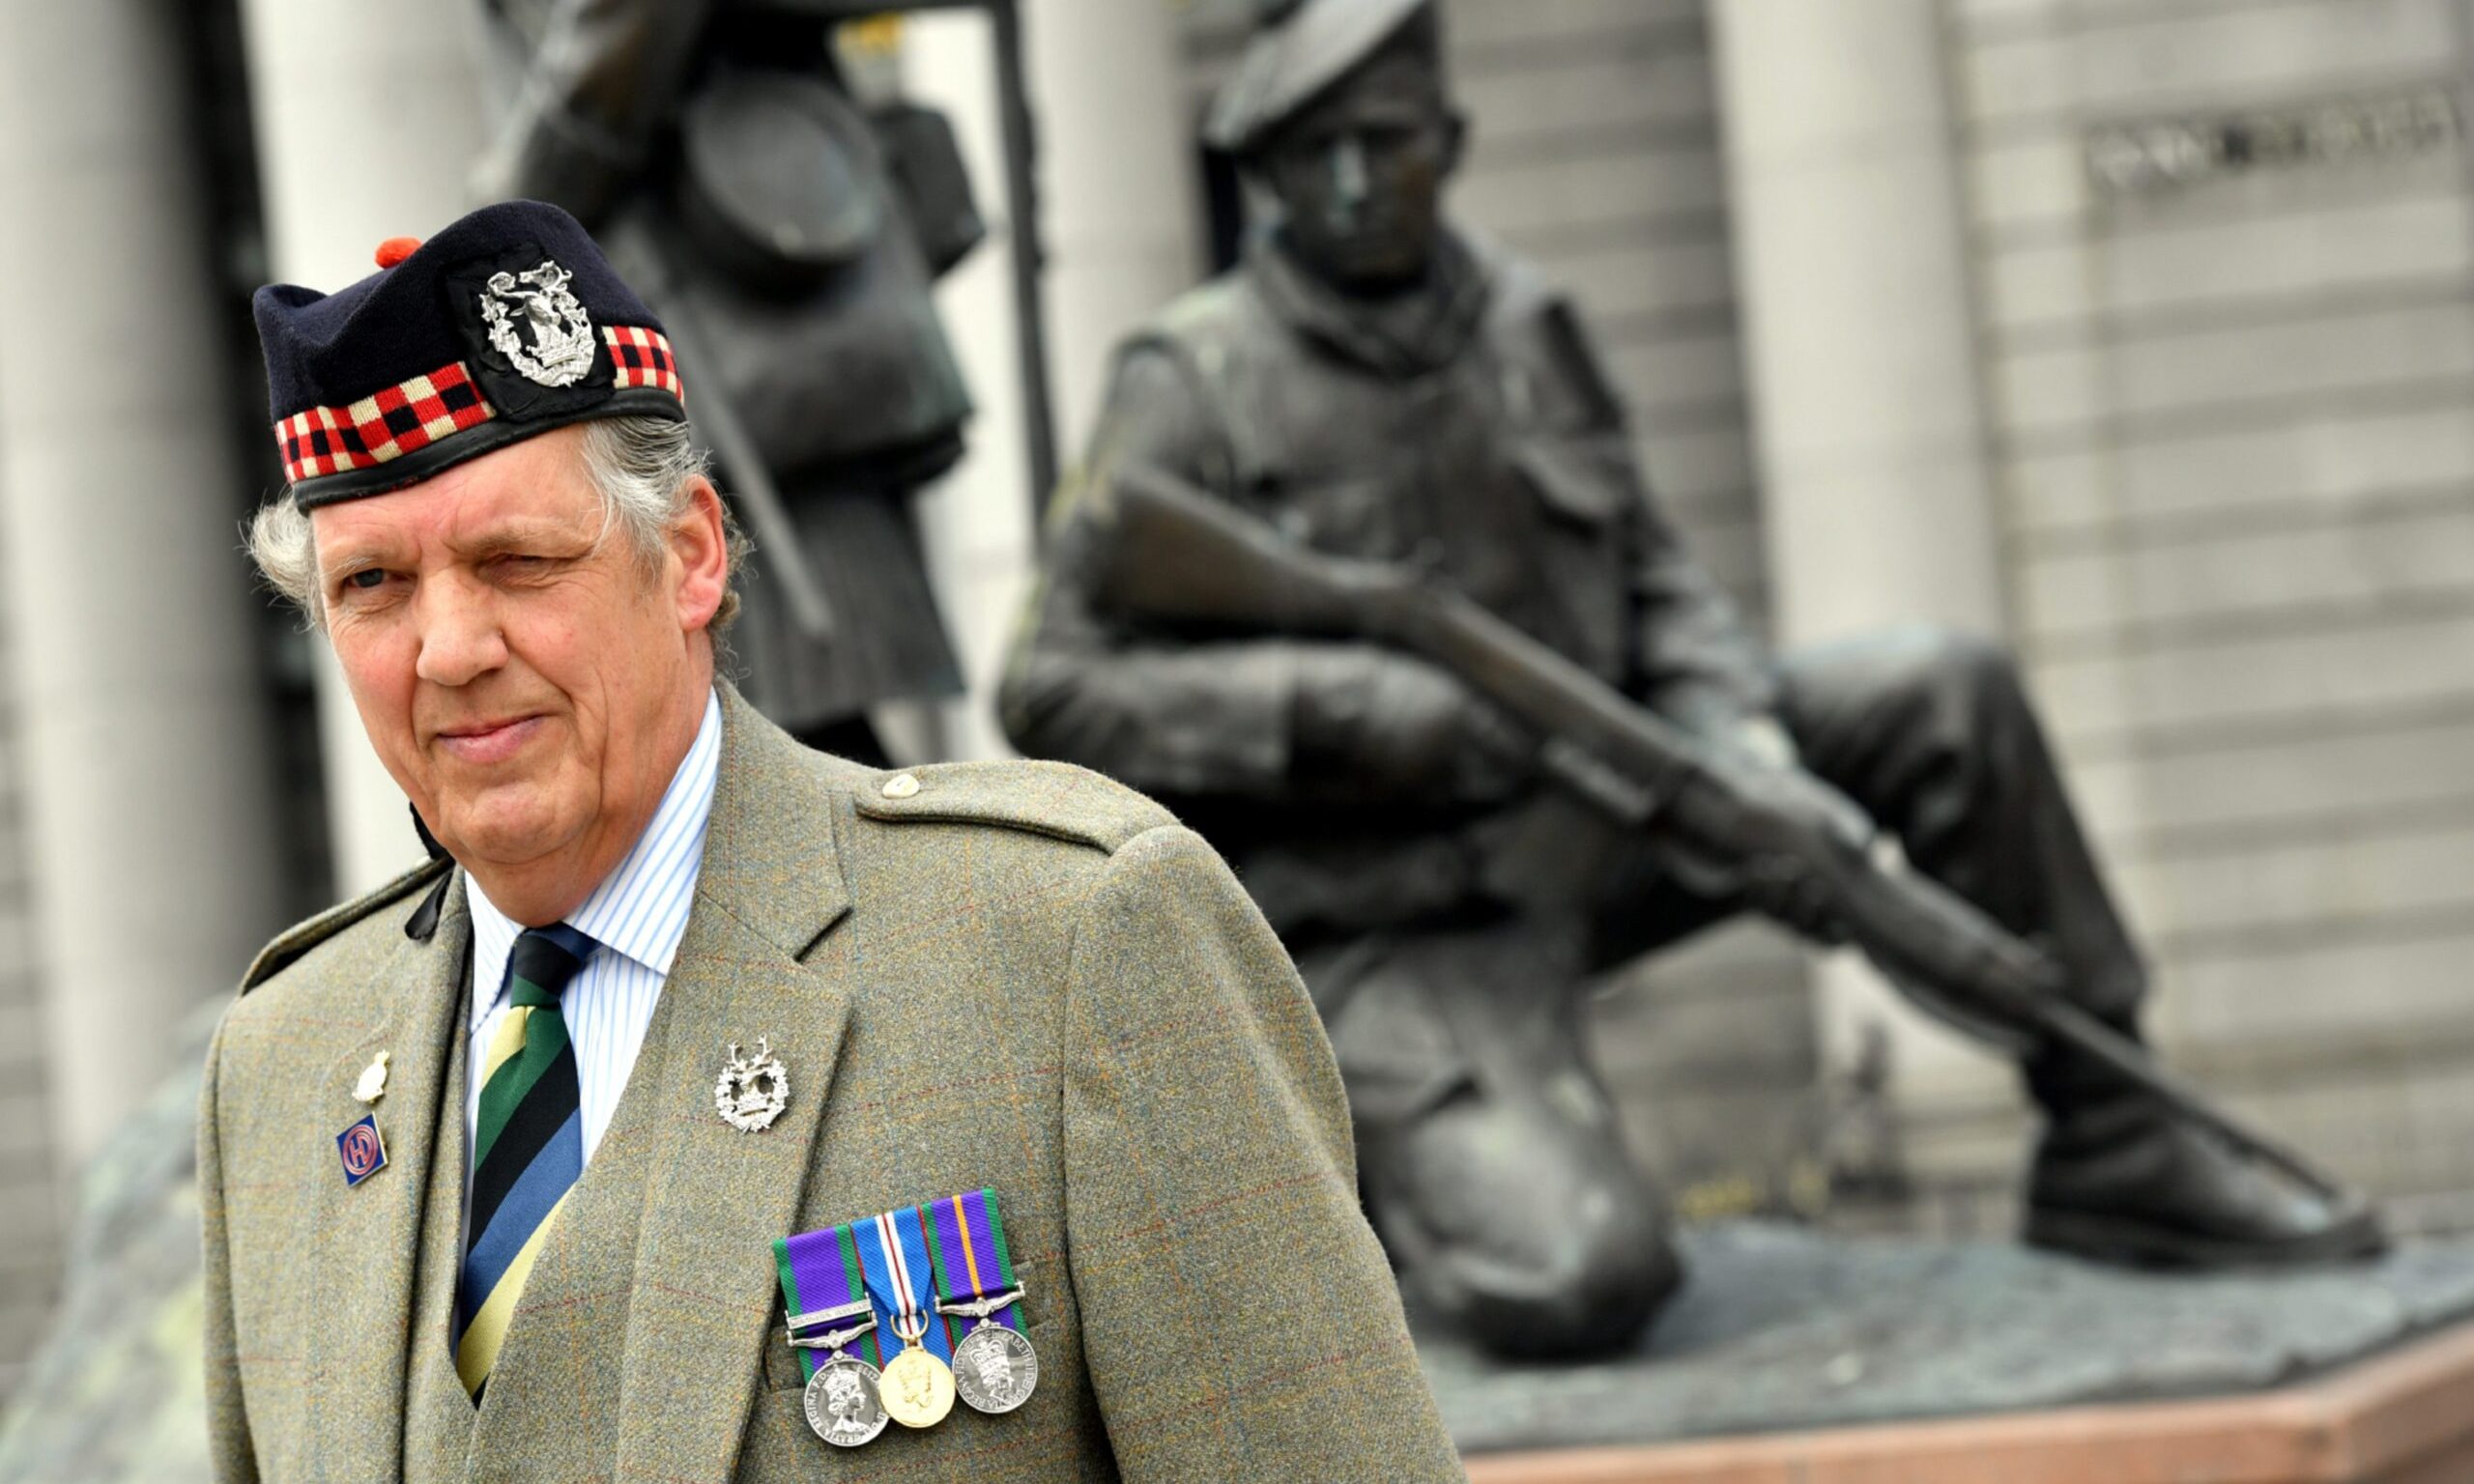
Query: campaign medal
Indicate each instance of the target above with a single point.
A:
(995, 1369)
(917, 1390)
(821, 1268)
(841, 1401)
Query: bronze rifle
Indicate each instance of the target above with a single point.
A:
(1180, 555)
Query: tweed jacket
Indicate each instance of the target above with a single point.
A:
(1023, 976)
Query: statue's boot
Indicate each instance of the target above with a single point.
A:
(2119, 1177)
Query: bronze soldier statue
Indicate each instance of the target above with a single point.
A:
(789, 238)
(1372, 383)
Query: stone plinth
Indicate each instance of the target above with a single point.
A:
(1793, 1358)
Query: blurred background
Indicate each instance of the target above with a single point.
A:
(2165, 377)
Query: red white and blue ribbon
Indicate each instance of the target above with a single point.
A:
(893, 1258)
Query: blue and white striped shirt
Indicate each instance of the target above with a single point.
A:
(637, 914)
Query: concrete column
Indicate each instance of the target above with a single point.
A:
(136, 702)
(369, 118)
(1121, 180)
(1870, 428)
(1118, 191)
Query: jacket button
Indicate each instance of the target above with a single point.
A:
(901, 786)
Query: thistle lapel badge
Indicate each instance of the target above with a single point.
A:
(372, 1085)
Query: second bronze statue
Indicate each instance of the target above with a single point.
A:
(792, 238)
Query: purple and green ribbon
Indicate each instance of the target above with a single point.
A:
(968, 1252)
(957, 1245)
(820, 1272)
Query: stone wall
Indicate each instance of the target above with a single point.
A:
(2226, 322)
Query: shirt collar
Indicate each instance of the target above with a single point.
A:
(640, 909)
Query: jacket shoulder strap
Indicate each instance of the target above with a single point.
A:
(1054, 799)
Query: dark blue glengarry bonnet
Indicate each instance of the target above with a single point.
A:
(505, 324)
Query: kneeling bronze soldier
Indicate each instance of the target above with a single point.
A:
(1372, 385)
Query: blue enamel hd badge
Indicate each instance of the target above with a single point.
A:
(363, 1151)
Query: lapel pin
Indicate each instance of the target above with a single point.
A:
(372, 1085)
(752, 1091)
(363, 1151)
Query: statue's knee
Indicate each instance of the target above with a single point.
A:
(1954, 687)
(1970, 667)
(1592, 1289)
(1533, 1233)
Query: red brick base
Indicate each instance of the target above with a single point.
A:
(2403, 1419)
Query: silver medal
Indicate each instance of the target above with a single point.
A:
(841, 1402)
(840, 1399)
(995, 1368)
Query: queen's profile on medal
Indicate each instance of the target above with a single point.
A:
(840, 1403)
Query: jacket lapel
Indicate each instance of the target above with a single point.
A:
(371, 1234)
(771, 887)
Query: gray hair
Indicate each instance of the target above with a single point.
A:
(643, 467)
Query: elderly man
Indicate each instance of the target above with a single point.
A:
(706, 1076)
(1373, 384)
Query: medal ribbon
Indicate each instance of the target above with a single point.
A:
(820, 1273)
(966, 1245)
(893, 1258)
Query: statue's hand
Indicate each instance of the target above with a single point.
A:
(1780, 836)
(1404, 729)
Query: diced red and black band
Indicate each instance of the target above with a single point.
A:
(642, 357)
(413, 415)
(383, 427)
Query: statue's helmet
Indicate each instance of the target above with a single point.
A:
(1301, 49)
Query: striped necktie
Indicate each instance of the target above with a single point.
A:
(528, 1144)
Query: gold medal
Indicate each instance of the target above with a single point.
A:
(917, 1390)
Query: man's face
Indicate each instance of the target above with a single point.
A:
(1361, 174)
(526, 681)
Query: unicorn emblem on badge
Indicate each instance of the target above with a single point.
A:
(561, 349)
(752, 1091)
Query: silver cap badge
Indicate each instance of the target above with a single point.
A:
(561, 348)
